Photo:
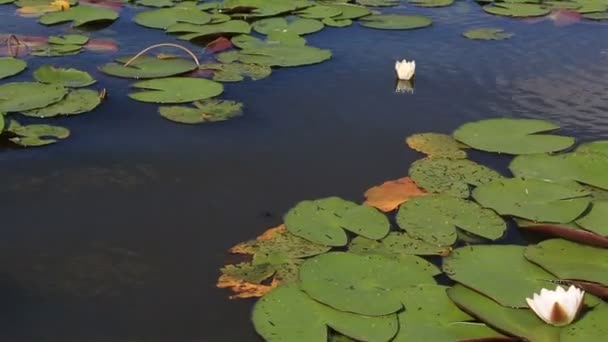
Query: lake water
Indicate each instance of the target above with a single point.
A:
(117, 233)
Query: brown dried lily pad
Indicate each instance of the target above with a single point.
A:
(391, 194)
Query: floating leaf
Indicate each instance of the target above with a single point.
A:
(430, 315)
(432, 3)
(236, 72)
(600, 16)
(69, 39)
(396, 21)
(299, 26)
(500, 272)
(79, 15)
(66, 77)
(148, 67)
(534, 199)
(165, 17)
(17, 97)
(450, 176)
(156, 3)
(378, 3)
(56, 50)
(76, 102)
(436, 145)
(319, 12)
(570, 260)
(388, 196)
(37, 135)
(365, 284)
(208, 111)
(323, 221)
(511, 9)
(288, 314)
(349, 11)
(599, 146)
(232, 278)
(395, 245)
(176, 90)
(585, 167)
(434, 219)
(10, 66)
(280, 55)
(337, 22)
(487, 34)
(512, 136)
(198, 31)
(591, 327)
(597, 219)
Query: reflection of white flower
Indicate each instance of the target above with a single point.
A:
(404, 87)
(558, 307)
(405, 70)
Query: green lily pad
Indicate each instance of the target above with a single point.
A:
(522, 323)
(165, 17)
(10, 66)
(510, 9)
(319, 12)
(18, 97)
(487, 34)
(585, 167)
(156, 3)
(66, 77)
(512, 136)
(299, 26)
(395, 245)
(236, 72)
(69, 39)
(208, 111)
(534, 199)
(76, 102)
(600, 146)
(79, 15)
(37, 135)
(197, 31)
(378, 3)
(570, 260)
(279, 55)
(264, 8)
(288, 314)
(450, 176)
(434, 219)
(430, 315)
(591, 327)
(596, 219)
(432, 3)
(337, 22)
(395, 21)
(436, 145)
(599, 16)
(148, 67)
(349, 11)
(56, 50)
(176, 90)
(370, 285)
(500, 272)
(323, 221)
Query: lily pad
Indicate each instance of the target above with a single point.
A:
(56, 50)
(596, 220)
(378, 3)
(349, 11)
(599, 16)
(79, 16)
(395, 21)
(69, 39)
(599, 146)
(288, 314)
(450, 176)
(436, 145)
(430, 315)
(512, 9)
(487, 34)
(432, 3)
(319, 12)
(500, 272)
(166, 17)
(590, 328)
(337, 22)
(10, 66)
(148, 67)
(365, 284)
(585, 167)
(66, 77)
(36, 135)
(76, 102)
(388, 196)
(512, 136)
(570, 260)
(280, 55)
(434, 219)
(236, 72)
(207, 111)
(534, 199)
(176, 90)
(192, 31)
(395, 245)
(299, 26)
(17, 97)
(323, 221)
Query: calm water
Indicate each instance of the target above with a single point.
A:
(117, 233)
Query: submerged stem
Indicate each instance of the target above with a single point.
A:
(188, 51)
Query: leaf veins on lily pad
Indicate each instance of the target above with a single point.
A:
(396, 245)
(390, 194)
(66, 77)
(436, 145)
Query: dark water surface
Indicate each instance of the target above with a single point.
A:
(117, 233)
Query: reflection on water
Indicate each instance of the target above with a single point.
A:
(404, 86)
(174, 198)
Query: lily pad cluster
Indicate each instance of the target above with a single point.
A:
(339, 270)
(591, 9)
(66, 45)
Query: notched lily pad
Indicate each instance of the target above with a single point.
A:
(395, 245)
(148, 67)
(176, 90)
(207, 111)
(236, 72)
(79, 16)
(66, 77)
(487, 34)
(388, 196)
(436, 145)
(36, 135)
(395, 21)
(10, 66)
(17, 97)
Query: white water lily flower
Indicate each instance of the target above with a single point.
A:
(405, 70)
(559, 307)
